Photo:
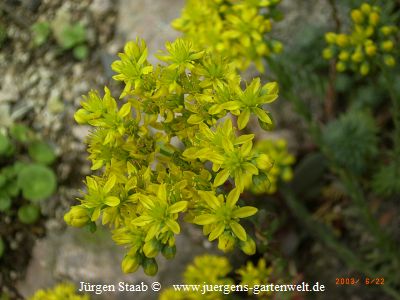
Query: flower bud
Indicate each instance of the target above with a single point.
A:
(370, 49)
(169, 252)
(340, 67)
(226, 242)
(78, 216)
(327, 53)
(374, 18)
(151, 248)
(344, 55)
(130, 264)
(357, 16)
(249, 246)
(357, 56)
(389, 60)
(366, 8)
(364, 69)
(277, 47)
(387, 46)
(150, 266)
(386, 30)
(330, 37)
(342, 40)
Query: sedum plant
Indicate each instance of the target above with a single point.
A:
(170, 148)
(371, 42)
(61, 291)
(235, 29)
(216, 271)
(281, 162)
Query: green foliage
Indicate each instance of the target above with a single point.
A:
(68, 35)
(235, 29)
(4, 144)
(73, 37)
(153, 150)
(60, 291)
(386, 181)
(41, 152)
(372, 42)
(28, 214)
(24, 180)
(37, 182)
(41, 32)
(352, 141)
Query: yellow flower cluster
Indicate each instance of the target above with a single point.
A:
(208, 271)
(62, 291)
(205, 269)
(252, 275)
(170, 148)
(371, 42)
(280, 166)
(234, 28)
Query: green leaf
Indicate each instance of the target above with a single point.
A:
(243, 119)
(173, 225)
(109, 184)
(41, 32)
(20, 133)
(243, 139)
(4, 144)
(231, 105)
(41, 152)
(205, 219)
(233, 197)
(245, 149)
(217, 231)
(142, 220)
(262, 115)
(28, 214)
(244, 212)
(195, 119)
(215, 109)
(37, 182)
(72, 35)
(5, 201)
(177, 207)
(238, 230)
(80, 52)
(221, 177)
(112, 201)
(162, 193)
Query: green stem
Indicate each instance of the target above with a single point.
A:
(324, 234)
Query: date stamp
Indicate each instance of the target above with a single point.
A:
(360, 281)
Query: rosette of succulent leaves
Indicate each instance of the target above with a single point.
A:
(170, 148)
